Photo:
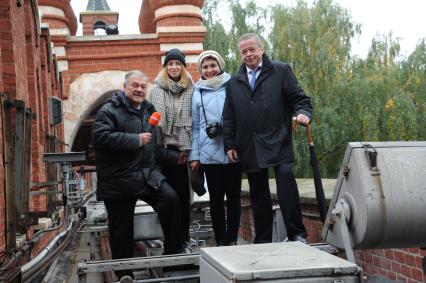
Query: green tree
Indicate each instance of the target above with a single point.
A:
(316, 42)
(414, 77)
(248, 18)
(216, 36)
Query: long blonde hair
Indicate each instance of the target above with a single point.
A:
(185, 78)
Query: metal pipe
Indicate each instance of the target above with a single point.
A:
(27, 247)
(36, 236)
(46, 250)
(46, 261)
(11, 263)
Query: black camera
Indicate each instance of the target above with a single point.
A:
(213, 130)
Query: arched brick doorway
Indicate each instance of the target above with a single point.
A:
(87, 94)
(83, 129)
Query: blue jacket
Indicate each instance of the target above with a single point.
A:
(205, 149)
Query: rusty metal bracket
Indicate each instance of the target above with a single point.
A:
(17, 127)
(7, 104)
(19, 155)
(371, 153)
(29, 116)
(346, 171)
(43, 184)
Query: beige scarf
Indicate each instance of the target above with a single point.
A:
(174, 124)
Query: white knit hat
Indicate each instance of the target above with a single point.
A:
(213, 54)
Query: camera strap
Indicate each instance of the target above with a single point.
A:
(202, 106)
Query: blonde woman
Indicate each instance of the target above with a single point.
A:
(171, 96)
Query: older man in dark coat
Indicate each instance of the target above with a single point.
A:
(260, 102)
(125, 164)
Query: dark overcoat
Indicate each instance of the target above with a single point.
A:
(124, 168)
(257, 123)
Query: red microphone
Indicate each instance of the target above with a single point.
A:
(153, 121)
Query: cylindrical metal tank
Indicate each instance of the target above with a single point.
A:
(384, 185)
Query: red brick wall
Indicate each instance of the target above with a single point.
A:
(396, 264)
(146, 18)
(155, 4)
(2, 196)
(12, 44)
(27, 74)
(179, 21)
(1, 72)
(12, 35)
(96, 56)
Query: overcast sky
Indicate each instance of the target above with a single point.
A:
(406, 19)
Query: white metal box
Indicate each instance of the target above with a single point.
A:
(287, 262)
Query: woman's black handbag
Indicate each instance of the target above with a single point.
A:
(197, 181)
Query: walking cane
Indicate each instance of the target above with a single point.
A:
(319, 190)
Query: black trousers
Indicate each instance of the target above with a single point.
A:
(120, 223)
(177, 177)
(224, 180)
(288, 199)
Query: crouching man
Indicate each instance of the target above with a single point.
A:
(125, 160)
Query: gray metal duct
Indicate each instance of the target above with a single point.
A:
(380, 197)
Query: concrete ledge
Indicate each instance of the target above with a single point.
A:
(306, 189)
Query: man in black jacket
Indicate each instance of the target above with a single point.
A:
(260, 102)
(125, 160)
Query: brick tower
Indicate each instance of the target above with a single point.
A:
(98, 17)
(59, 18)
(178, 24)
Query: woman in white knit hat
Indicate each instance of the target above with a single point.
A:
(223, 177)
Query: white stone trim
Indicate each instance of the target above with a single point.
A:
(172, 9)
(62, 65)
(59, 50)
(181, 29)
(49, 10)
(188, 59)
(84, 38)
(60, 31)
(181, 46)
